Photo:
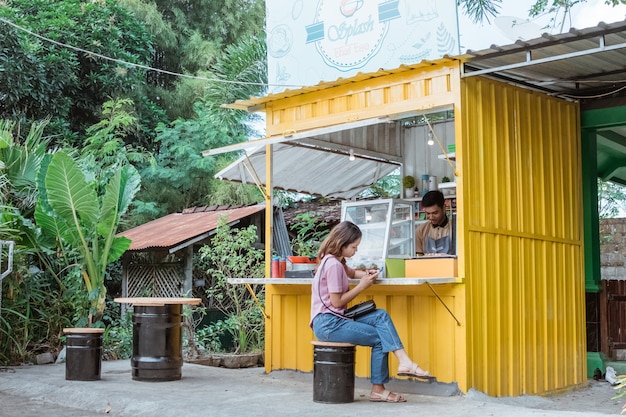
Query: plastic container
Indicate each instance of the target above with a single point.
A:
(300, 260)
(275, 267)
(425, 184)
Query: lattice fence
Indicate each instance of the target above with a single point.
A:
(155, 280)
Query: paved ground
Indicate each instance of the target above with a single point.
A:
(41, 390)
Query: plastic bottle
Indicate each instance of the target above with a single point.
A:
(425, 178)
(275, 267)
(282, 267)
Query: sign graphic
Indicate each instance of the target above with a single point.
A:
(314, 41)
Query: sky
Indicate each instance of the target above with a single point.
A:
(476, 36)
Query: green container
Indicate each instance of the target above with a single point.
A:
(452, 148)
(394, 267)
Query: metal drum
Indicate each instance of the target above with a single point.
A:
(157, 343)
(83, 354)
(333, 372)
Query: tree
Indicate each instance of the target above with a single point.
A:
(56, 77)
(482, 10)
(611, 199)
(180, 168)
(189, 37)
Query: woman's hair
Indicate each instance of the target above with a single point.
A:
(339, 237)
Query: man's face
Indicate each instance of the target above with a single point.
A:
(434, 214)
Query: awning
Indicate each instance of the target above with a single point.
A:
(310, 170)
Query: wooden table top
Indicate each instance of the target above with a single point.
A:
(82, 330)
(156, 301)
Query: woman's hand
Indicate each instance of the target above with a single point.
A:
(366, 279)
(370, 277)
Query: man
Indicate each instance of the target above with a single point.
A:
(434, 236)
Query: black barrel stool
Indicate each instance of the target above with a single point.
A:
(333, 372)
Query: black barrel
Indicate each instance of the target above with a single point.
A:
(157, 343)
(83, 355)
(333, 373)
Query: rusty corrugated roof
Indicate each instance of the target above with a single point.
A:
(178, 228)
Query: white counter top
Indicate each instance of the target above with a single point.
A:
(308, 281)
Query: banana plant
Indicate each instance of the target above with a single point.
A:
(84, 221)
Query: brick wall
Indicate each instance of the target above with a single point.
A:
(613, 249)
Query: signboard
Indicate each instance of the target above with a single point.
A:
(309, 41)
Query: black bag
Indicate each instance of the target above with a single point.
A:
(360, 309)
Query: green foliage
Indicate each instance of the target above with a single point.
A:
(31, 314)
(42, 79)
(310, 232)
(117, 340)
(480, 10)
(232, 254)
(560, 10)
(105, 150)
(180, 168)
(611, 199)
(386, 187)
(70, 209)
(209, 338)
(408, 182)
(185, 42)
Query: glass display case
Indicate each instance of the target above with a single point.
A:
(388, 230)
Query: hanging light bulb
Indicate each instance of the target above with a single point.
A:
(430, 142)
(352, 155)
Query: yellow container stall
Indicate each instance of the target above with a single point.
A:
(508, 316)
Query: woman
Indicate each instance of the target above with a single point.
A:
(330, 295)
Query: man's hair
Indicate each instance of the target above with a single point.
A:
(433, 198)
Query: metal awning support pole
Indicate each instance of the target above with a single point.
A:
(444, 304)
(256, 300)
(269, 211)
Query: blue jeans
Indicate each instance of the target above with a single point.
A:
(374, 329)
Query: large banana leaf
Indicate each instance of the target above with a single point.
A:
(52, 226)
(69, 194)
(119, 193)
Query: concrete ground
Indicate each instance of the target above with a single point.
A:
(41, 390)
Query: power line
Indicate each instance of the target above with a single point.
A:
(130, 64)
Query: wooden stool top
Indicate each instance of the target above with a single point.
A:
(156, 301)
(93, 330)
(334, 344)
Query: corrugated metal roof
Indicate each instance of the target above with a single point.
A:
(183, 229)
(579, 64)
(310, 170)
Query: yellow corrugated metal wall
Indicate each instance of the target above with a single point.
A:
(522, 211)
(429, 332)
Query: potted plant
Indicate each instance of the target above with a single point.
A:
(83, 218)
(447, 186)
(232, 253)
(408, 182)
